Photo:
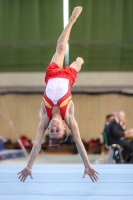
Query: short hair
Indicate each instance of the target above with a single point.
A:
(108, 116)
(56, 142)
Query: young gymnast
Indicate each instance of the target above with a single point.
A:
(57, 104)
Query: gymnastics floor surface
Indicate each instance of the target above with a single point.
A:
(65, 182)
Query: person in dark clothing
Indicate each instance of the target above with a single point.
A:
(109, 118)
(117, 134)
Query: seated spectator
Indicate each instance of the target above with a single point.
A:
(117, 134)
(109, 118)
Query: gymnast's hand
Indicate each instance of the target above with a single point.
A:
(92, 173)
(24, 173)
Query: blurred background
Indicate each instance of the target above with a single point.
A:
(102, 36)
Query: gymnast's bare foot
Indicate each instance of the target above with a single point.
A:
(80, 60)
(76, 12)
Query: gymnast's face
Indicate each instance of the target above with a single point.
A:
(56, 128)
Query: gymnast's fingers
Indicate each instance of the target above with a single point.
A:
(24, 179)
(91, 178)
(31, 176)
(19, 172)
(95, 178)
(84, 175)
(96, 172)
(20, 176)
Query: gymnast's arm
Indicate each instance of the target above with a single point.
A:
(43, 124)
(72, 124)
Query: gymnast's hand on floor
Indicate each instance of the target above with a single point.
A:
(24, 173)
(92, 173)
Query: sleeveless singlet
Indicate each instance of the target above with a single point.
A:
(58, 88)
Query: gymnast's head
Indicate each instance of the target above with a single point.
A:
(57, 132)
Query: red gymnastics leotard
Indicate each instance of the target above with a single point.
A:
(58, 88)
